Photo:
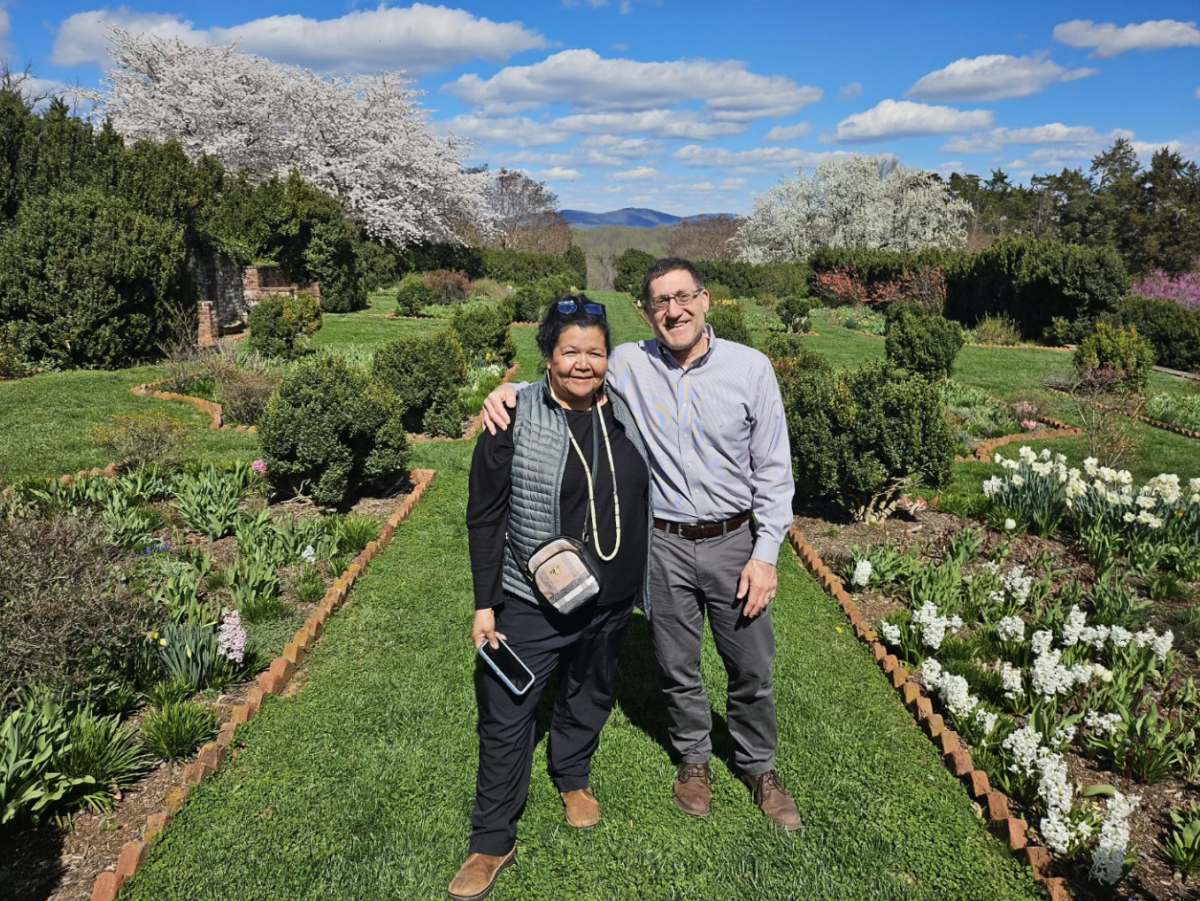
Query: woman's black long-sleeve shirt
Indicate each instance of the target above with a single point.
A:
(487, 509)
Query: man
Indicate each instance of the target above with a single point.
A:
(712, 417)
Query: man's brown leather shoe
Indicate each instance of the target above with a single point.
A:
(693, 791)
(583, 811)
(477, 876)
(776, 803)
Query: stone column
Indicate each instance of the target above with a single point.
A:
(210, 326)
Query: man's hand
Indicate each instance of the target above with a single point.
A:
(757, 585)
(496, 406)
(484, 629)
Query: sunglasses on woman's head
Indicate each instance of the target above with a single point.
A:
(570, 306)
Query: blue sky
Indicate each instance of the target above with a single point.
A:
(692, 107)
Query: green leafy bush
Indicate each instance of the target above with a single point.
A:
(12, 360)
(178, 729)
(426, 372)
(1172, 330)
(332, 258)
(483, 332)
(413, 295)
(630, 268)
(793, 311)
(329, 429)
(1182, 410)
(728, 321)
(107, 752)
(88, 281)
(280, 326)
(1000, 330)
(923, 345)
(448, 287)
(858, 437)
(33, 740)
(781, 346)
(755, 280)
(67, 616)
(138, 440)
(718, 292)
(1120, 349)
(529, 303)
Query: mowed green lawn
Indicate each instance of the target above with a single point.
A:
(360, 786)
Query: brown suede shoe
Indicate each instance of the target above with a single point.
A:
(776, 803)
(477, 876)
(693, 794)
(583, 811)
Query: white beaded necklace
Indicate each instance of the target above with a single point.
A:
(587, 471)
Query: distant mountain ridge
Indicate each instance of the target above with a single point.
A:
(633, 217)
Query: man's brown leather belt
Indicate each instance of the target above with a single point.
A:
(696, 530)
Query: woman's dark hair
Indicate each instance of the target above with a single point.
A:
(554, 322)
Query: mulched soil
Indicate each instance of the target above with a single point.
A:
(832, 535)
(60, 862)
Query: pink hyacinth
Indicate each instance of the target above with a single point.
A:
(1031, 424)
(260, 467)
(231, 638)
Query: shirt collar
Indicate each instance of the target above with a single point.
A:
(670, 360)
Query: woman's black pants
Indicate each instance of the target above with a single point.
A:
(585, 645)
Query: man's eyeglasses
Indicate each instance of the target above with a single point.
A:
(681, 298)
(569, 306)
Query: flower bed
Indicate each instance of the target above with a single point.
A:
(1047, 642)
(211, 582)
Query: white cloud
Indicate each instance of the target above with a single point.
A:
(560, 174)
(1197, 94)
(639, 174)
(732, 184)
(660, 123)
(5, 28)
(1110, 40)
(515, 132)
(848, 92)
(995, 77)
(417, 39)
(903, 118)
(789, 132)
(751, 161)
(587, 81)
(1082, 136)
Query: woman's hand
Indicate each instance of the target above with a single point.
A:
(484, 629)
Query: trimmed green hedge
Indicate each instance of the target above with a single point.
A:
(427, 373)
(923, 345)
(87, 282)
(1032, 281)
(742, 279)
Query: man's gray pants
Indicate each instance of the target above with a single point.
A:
(687, 580)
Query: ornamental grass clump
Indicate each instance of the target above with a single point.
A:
(332, 429)
(178, 729)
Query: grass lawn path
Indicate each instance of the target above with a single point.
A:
(361, 785)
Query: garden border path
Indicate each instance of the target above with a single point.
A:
(983, 453)
(957, 758)
(271, 682)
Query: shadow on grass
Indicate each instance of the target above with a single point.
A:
(34, 871)
(639, 693)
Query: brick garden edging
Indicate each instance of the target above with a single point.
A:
(957, 758)
(270, 682)
(1156, 423)
(983, 453)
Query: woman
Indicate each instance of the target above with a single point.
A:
(572, 432)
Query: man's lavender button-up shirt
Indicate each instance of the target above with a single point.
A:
(716, 432)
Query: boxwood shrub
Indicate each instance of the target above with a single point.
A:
(280, 326)
(728, 321)
(427, 373)
(858, 437)
(1172, 330)
(923, 345)
(413, 295)
(330, 429)
(482, 330)
(1119, 348)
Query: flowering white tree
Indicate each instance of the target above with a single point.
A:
(861, 202)
(362, 139)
